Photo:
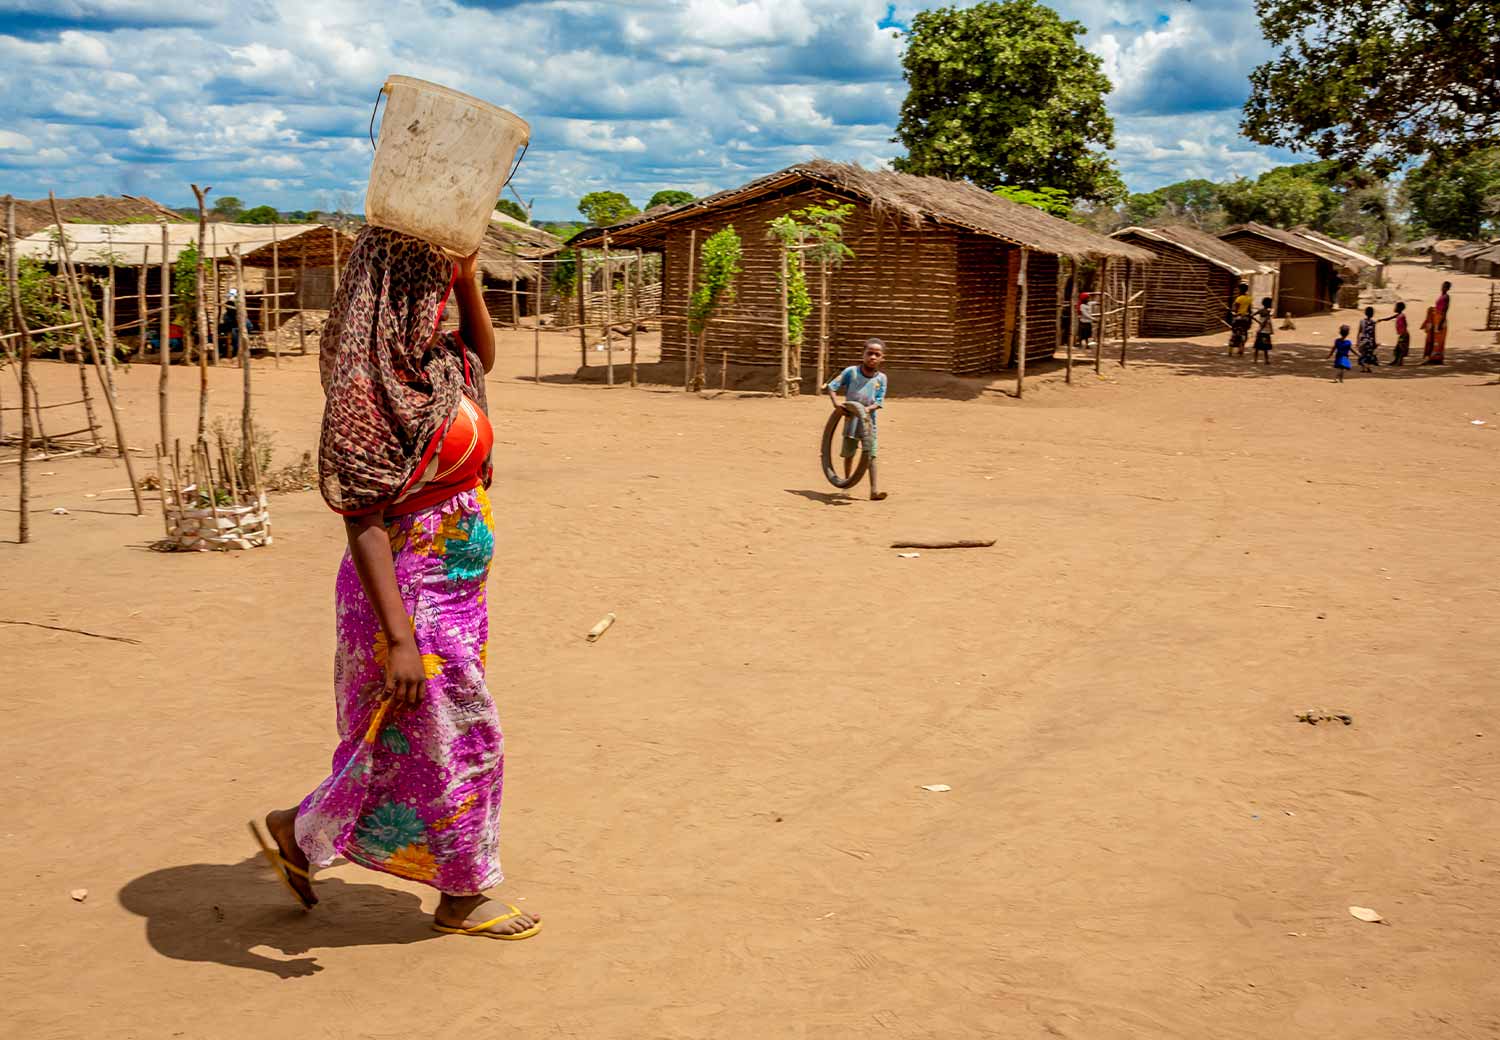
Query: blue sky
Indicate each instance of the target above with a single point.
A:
(269, 100)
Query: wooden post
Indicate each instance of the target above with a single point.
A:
(1125, 318)
(786, 332)
(823, 329)
(515, 296)
(276, 283)
(218, 292)
(18, 320)
(335, 259)
(1099, 314)
(1021, 319)
(1072, 315)
(202, 311)
(301, 288)
(239, 283)
(81, 315)
(687, 329)
(536, 330)
(580, 289)
(635, 314)
(166, 331)
(109, 320)
(140, 301)
(609, 341)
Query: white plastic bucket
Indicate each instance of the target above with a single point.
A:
(441, 162)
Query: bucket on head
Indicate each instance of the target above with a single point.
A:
(442, 159)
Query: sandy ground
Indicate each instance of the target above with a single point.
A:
(718, 807)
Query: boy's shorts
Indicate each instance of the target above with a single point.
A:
(851, 446)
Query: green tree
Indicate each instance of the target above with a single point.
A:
(511, 208)
(604, 208)
(185, 286)
(1379, 82)
(719, 260)
(229, 207)
(1282, 202)
(260, 215)
(1460, 199)
(1049, 200)
(1004, 94)
(44, 302)
(670, 197)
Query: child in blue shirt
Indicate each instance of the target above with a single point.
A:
(864, 384)
(1340, 353)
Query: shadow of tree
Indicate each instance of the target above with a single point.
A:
(222, 912)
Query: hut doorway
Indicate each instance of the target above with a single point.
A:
(1299, 288)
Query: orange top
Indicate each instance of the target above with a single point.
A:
(455, 466)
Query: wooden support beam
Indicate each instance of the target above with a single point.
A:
(1021, 334)
(165, 333)
(18, 319)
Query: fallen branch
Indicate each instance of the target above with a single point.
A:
(76, 631)
(961, 544)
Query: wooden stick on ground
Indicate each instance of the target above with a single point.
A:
(76, 297)
(958, 544)
(18, 319)
(75, 631)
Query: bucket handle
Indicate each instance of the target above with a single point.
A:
(524, 145)
(373, 111)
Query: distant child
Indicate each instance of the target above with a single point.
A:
(1085, 317)
(1367, 347)
(1239, 323)
(1340, 353)
(1263, 331)
(1403, 334)
(864, 384)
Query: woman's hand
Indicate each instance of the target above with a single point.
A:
(468, 266)
(404, 677)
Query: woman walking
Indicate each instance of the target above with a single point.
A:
(1436, 326)
(404, 458)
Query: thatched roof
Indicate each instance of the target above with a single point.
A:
(1202, 245)
(1311, 242)
(506, 231)
(299, 244)
(92, 244)
(907, 200)
(33, 215)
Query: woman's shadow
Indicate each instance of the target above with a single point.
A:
(222, 911)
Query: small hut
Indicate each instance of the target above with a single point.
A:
(510, 277)
(936, 270)
(303, 257)
(1313, 270)
(1193, 280)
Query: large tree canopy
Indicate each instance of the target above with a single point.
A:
(1378, 82)
(670, 197)
(1004, 95)
(603, 208)
(1461, 198)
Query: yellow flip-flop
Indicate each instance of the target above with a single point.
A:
(483, 928)
(278, 862)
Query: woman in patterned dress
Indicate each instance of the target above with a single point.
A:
(417, 775)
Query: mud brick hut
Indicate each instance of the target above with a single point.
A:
(1194, 279)
(1313, 270)
(935, 273)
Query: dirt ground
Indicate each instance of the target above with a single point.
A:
(719, 808)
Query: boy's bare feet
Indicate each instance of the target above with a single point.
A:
(282, 826)
(468, 911)
(879, 496)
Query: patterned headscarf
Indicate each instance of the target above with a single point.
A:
(391, 386)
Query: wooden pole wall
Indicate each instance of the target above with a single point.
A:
(609, 341)
(786, 332)
(301, 312)
(1125, 318)
(687, 353)
(580, 289)
(1021, 331)
(823, 327)
(246, 435)
(1072, 315)
(635, 312)
(1099, 317)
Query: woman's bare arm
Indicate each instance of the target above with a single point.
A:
(473, 318)
(370, 548)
